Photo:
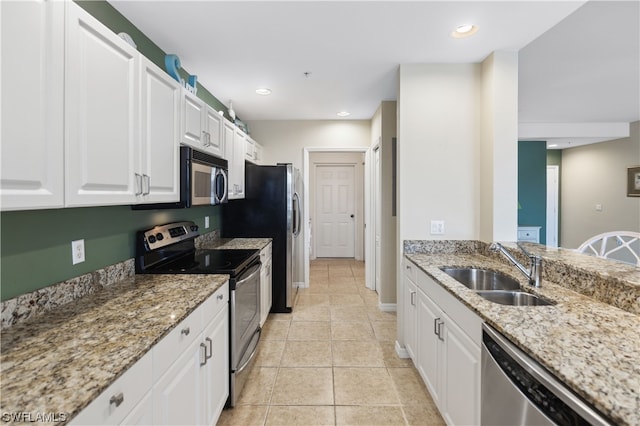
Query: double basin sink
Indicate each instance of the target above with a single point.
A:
(495, 286)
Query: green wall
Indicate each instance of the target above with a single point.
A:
(532, 185)
(36, 245)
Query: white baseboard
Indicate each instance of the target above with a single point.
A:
(401, 351)
(388, 307)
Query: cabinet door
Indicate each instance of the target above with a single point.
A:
(236, 166)
(249, 151)
(142, 413)
(429, 344)
(228, 131)
(32, 36)
(461, 377)
(176, 395)
(215, 373)
(101, 107)
(214, 141)
(410, 317)
(192, 120)
(159, 118)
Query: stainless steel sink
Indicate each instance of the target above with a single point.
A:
(514, 298)
(482, 279)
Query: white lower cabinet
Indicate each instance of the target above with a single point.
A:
(184, 379)
(119, 399)
(448, 351)
(410, 313)
(265, 284)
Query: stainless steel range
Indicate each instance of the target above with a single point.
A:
(170, 249)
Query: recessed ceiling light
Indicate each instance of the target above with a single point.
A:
(344, 114)
(553, 145)
(465, 30)
(263, 91)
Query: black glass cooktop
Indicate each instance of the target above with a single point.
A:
(208, 261)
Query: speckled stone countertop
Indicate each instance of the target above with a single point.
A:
(237, 243)
(60, 361)
(591, 346)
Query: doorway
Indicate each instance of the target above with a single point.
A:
(323, 159)
(553, 188)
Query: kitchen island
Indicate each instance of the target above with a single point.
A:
(591, 346)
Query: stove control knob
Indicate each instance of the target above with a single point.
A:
(159, 236)
(151, 239)
(194, 228)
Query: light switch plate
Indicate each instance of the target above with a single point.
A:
(206, 222)
(77, 251)
(437, 227)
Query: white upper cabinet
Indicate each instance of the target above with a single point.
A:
(192, 120)
(201, 125)
(249, 152)
(160, 127)
(32, 35)
(101, 107)
(213, 122)
(236, 166)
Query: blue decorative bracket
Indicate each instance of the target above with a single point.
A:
(172, 64)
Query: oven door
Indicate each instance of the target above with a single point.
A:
(201, 184)
(245, 319)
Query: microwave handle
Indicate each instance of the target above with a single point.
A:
(224, 186)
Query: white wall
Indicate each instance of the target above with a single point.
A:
(597, 174)
(438, 150)
(285, 140)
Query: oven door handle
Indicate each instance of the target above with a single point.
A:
(253, 353)
(253, 271)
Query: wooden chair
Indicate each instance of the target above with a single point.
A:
(622, 246)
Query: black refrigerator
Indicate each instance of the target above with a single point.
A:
(270, 209)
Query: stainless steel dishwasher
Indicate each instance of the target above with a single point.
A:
(516, 390)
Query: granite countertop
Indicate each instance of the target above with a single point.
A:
(591, 346)
(62, 360)
(237, 243)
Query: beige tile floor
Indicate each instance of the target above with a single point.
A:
(332, 361)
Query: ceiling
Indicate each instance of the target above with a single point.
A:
(579, 63)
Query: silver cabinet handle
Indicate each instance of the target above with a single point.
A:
(435, 326)
(408, 267)
(440, 324)
(220, 296)
(203, 346)
(413, 298)
(210, 349)
(117, 399)
(138, 183)
(147, 180)
(185, 331)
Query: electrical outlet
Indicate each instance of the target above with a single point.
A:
(206, 221)
(437, 227)
(77, 251)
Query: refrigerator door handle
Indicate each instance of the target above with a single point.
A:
(296, 212)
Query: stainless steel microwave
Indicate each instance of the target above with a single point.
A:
(203, 181)
(207, 177)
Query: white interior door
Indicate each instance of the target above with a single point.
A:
(552, 205)
(335, 211)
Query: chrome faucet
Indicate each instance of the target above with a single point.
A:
(534, 274)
